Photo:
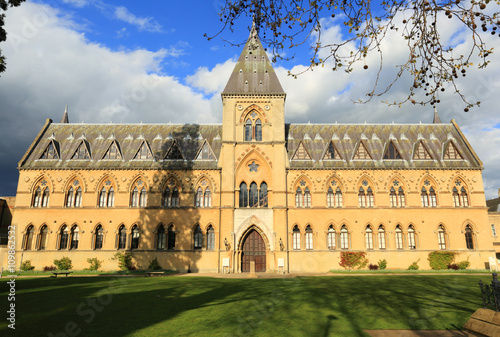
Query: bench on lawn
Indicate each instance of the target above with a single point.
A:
(152, 273)
(61, 273)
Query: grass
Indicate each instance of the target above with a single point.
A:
(90, 272)
(198, 306)
(406, 271)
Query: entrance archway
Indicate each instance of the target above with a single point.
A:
(253, 249)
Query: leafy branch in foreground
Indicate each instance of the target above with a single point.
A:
(4, 4)
(430, 59)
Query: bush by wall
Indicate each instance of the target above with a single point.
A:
(382, 264)
(414, 265)
(26, 265)
(64, 263)
(439, 260)
(94, 263)
(154, 264)
(373, 266)
(124, 261)
(351, 260)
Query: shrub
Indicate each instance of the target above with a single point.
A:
(64, 263)
(373, 266)
(154, 264)
(124, 261)
(440, 260)
(453, 266)
(94, 263)
(463, 265)
(382, 264)
(47, 268)
(351, 260)
(26, 266)
(414, 265)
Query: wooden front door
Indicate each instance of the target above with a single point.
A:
(254, 249)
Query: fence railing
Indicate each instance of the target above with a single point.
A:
(491, 293)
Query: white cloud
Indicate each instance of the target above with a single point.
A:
(77, 3)
(143, 24)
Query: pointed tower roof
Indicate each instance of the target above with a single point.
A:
(253, 73)
(65, 118)
(436, 119)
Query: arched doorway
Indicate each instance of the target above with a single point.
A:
(254, 249)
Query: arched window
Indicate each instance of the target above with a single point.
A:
(296, 237)
(248, 130)
(64, 235)
(175, 197)
(37, 198)
(30, 234)
(208, 198)
(401, 197)
(344, 237)
(243, 195)
(70, 197)
(428, 198)
(45, 198)
(171, 197)
(309, 238)
(432, 197)
(369, 197)
(441, 237)
(258, 130)
(338, 197)
(330, 199)
(135, 198)
(44, 233)
(167, 198)
(397, 200)
(464, 199)
(75, 236)
(143, 197)
(199, 197)
(134, 242)
(138, 197)
(42, 195)
(381, 237)
(160, 238)
(253, 128)
(307, 197)
(469, 237)
(369, 238)
(331, 238)
(99, 237)
(122, 237)
(198, 237)
(107, 195)
(299, 198)
(399, 237)
(210, 238)
(102, 197)
(263, 202)
(171, 237)
(253, 199)
(456, 197)
(394, 198)
(412, 242)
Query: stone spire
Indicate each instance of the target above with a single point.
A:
(65, 118)
(253, 73)
(436, 119)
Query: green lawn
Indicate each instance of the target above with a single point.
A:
(197, 306)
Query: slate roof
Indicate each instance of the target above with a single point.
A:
(376, 137)
(129, 137)
(493, 205)
(253, 73)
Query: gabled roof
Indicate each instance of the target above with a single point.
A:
(253, 73)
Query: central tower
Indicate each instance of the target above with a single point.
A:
(253, 157)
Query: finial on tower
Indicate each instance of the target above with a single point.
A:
(436, 119)
(65, 118)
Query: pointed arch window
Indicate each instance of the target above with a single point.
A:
(307, 197)
(44, 233)
(198, 237)
(29, 236)
(199, 197)
(51, 151)
(441, 237)
(412, 242)
(205, 152)
(381, 237)
(258, 130)
(296, 238)
(42, 195)
(75, 237)
(138, 197)
(248, 130)
(428, 197)
(113, 151)
(369, 238)
(64, 236)
(263, 202)
(365, 198)
(469, 237)
(330, 198)
(107, 195)
(253, 128)
(299, 198)
(397, 198)
(401, 197)
(456, 197)
(210, 238)
(171, 196)
(122, 237)
(399, 237)
(394, 198)
(253, 199)
(344, 238)
(160, 238)
(136, 234)
(99, 237)
(170, 237)
(392, 152)
(207, 198)
(303, 197)
(338, 198)
(331, 237)
(144, 152)
(82, 152)
(309, 238)
(243, 195)
(464, 199)
(110, 201)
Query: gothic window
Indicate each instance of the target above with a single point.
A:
(44, 233)
(381, 237)
(75, 236)
(331, 237)
(82, 152)
(138, 197)
(263, 202)
(175, 197)
(299, 198)
(394, 198)
(113, 151)
(122, 237)
(464, 199)
(309, 238)
(29, 236)
(107, 195)
(167, 197)
(432, 197)
(205, 152)
(99, 237)
(296, 238)
(428, 197)
(301, 153)
(160, 238)
(243, 195)
(134, 242)
(441, 237)
(171, 194)
(344, 237)
(412, 242)
(365, 198)
(307, 197)
(199, 197)
(330, 199)
(170, 237)
(422, 153)
(369, 238)
(51, 151)
(258, 130)
(210, 238)
(63, 237)
(74, 198)
(338, 198)
(456, 197)
(135, 198)
(207, 198)
(144, 152)
(42, 195)
(399, 237)
(253, 195)
(198, 237)
(174, 152)
(392, 152)
(397, 199)
(452, 152)
(401, 197)
(331, 152)
(253, 128)
(203, 194)
(248, 130)
(469, 237)
(362, 152)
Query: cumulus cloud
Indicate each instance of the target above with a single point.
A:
(143, 24)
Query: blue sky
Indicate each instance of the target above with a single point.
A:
(131, 61)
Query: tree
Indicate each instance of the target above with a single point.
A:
(431, 61)
(4, 4)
